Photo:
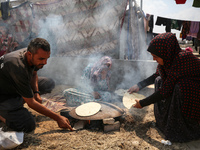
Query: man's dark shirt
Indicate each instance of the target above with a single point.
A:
(15, 75)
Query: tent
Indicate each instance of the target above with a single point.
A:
(77, 28)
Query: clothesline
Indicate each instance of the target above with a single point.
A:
(188, 28)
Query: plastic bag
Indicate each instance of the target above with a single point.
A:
(10, 139)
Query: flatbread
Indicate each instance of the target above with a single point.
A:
(129, 99)
(88, 109)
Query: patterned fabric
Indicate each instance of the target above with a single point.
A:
(20, 21)
(104, 63)
(71, 27)
(180, 67)
(185, 29)
(77, 96)
(170, 120)
(7, 44)
(80, 27)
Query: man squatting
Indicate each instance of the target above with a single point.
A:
(19, 84)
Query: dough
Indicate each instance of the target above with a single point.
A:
(129, 99)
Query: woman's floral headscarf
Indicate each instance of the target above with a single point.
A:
(104, 63)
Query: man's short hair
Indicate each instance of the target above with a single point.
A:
(38, 43)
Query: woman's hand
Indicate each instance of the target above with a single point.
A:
(137, 104)
(134, 88)
(96, 95)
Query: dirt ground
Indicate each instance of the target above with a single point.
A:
(137, 131)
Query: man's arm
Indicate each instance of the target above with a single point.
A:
(34, 81)
(61, 120)
(34, 86)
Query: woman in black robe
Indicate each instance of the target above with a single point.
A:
(177, 89)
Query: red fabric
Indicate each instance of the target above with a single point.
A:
(189, 49)
(7, 44)
(180, 1)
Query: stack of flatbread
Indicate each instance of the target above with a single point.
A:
(129, 99)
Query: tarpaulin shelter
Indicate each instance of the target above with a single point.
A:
(74, 28)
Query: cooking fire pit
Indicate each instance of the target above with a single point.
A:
(107, 110)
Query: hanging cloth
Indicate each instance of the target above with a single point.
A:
(194, 28)
(198, 34)
(185, 29)
(165, 21)
(150, 24)
(5, 10)
(196, 3)
(180, 1)
(176, 24)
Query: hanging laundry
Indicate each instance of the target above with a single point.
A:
(196, 3)
(198, 34)
(176, 24)
(194, 29)
(149, 27)
(180, 1)
(150, 23)
(185, 29)
(5, 10)
(165, 21)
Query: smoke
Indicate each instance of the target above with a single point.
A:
(51, 29)
(68, 70)
(133, 48)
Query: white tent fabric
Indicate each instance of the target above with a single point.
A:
(169, 9)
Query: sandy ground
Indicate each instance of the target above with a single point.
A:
(137, 131)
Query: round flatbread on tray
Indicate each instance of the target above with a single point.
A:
(88, 109)
(129, 99)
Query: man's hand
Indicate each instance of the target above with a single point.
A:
(134, 88)
(61, 120)
(38, 98)
(137, 104)
(96, 95)
(64, 123)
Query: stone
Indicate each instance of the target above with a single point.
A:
(109, 121)
(112, 127)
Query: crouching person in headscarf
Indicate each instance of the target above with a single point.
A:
(177, 85)
(94, 84)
